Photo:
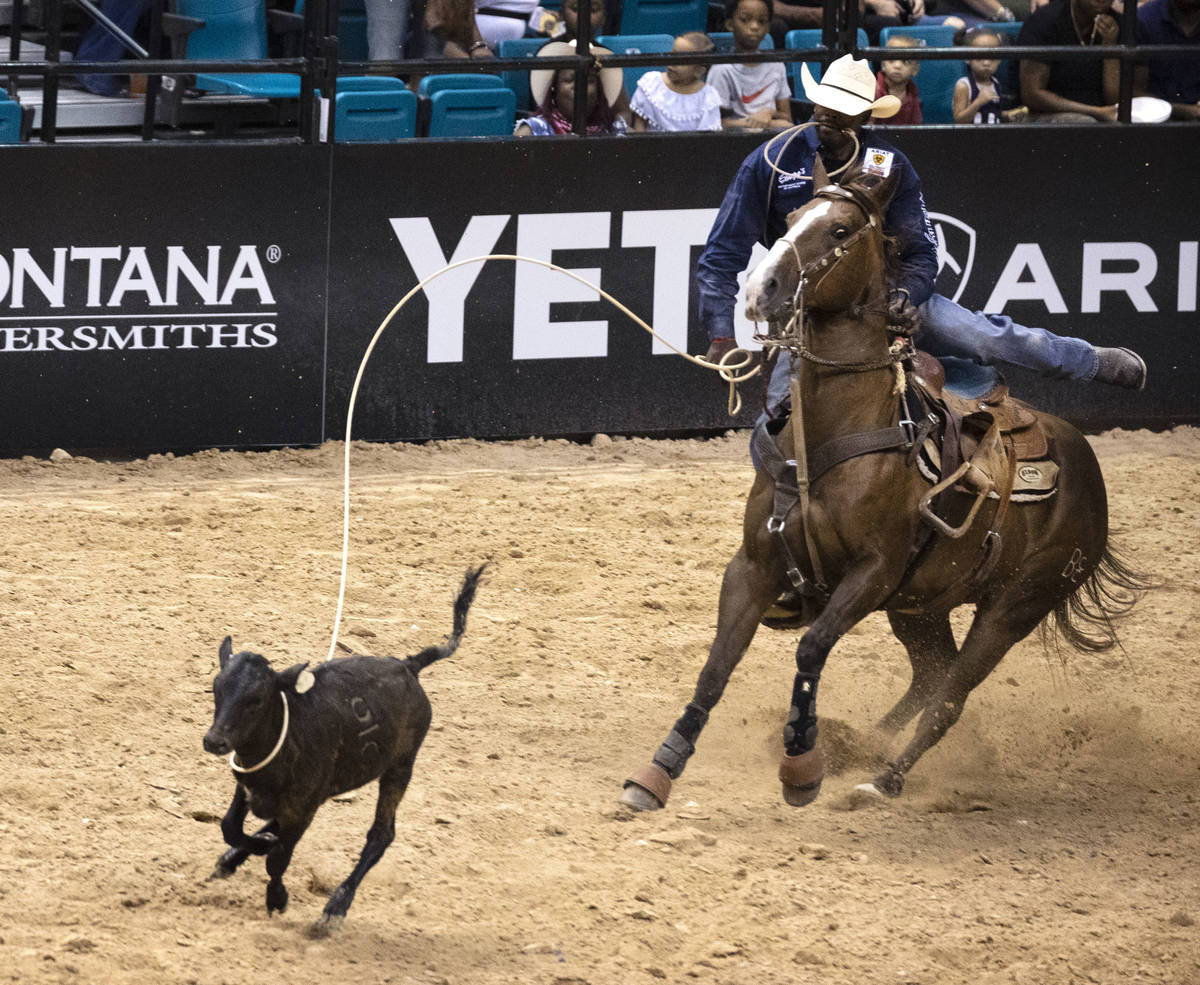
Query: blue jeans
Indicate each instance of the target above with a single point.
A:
(949, 330)
(968, 343)
(387, 29)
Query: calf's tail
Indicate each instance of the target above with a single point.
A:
(462, 604)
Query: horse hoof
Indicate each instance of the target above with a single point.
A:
(326, 925)
(801, 796)
(801, 777)
(647, 789)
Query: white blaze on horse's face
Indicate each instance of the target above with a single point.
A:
(773, 282)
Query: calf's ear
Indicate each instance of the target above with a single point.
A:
(297, 678)
(226, 651)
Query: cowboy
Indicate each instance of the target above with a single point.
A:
(760, 198)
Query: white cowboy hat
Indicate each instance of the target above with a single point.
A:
(848, 86)
(540, 78)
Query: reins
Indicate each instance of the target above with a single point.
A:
(794, 338)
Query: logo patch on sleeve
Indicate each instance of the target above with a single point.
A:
(876, 161)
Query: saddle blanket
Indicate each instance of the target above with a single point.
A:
(1034, 481)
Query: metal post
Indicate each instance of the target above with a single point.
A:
(53, 13)
(1128, 37)
(583, 47)
(153, 82)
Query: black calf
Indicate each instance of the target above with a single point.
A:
(299, 737)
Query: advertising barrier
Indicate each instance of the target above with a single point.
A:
(223, 295)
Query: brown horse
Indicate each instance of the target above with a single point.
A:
(855, 541)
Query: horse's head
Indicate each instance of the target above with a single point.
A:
(832, 248)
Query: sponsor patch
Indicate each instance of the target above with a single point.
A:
(877, 161)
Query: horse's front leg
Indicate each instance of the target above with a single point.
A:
(747, 590)
(860, 591)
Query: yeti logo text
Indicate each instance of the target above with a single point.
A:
(671, 233)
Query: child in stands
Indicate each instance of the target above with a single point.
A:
(753, 96)
(554, 95)
(977, 95)
(895, 78)
(570, 18)
(679, 98)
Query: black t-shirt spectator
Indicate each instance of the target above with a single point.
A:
(1081, 81)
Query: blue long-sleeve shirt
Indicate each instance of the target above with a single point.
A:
(756, 208)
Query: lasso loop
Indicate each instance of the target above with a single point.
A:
(727, 369)
(792, 133)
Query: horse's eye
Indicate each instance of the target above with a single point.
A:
(840, 233)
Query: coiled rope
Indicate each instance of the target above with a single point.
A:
(730, 369)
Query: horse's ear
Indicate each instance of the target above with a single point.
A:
(226, 651)
(820, 177)
(882, 189)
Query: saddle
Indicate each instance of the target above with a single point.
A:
(990, 435)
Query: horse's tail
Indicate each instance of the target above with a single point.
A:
(1086, 619)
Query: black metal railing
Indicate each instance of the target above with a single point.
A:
(317, 64)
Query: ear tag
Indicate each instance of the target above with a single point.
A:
(305, 681)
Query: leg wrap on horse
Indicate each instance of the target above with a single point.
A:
(673, 754)
(800, 733)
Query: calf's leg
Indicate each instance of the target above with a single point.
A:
(242, 845)
(392, 785)
(279, 858)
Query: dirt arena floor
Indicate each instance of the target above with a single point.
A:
(1051, 838)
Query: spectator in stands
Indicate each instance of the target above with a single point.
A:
(599, 20)
(503, 20)
(895, 78)
(753, 96)
(679, 98)
(451, 31)
(971, 13)
(1070, 91)
(873, 16)
(100, 46)
(978, 97)
(387, 29)
(553, 93)
(1177, 80)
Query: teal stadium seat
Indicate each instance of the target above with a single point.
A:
(215, 30)
(10, 120)
(637, 44)
(518, 79)
(458, 80)
(671, 17)
(810, 37)
(375, 115)
(936, 79)
(369, 83)
(472, 113)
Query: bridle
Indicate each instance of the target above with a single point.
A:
(793, 333)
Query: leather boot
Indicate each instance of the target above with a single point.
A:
(1120, 367)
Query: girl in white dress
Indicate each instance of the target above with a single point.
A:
(679, 98)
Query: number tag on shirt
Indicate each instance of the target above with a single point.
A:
(877, 161)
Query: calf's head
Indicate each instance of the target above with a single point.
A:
(245, 694)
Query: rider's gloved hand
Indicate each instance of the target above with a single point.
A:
(719, 348)
(902, 315)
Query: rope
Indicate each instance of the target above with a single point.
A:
(727, 369)
(792, 133)
(273, 753)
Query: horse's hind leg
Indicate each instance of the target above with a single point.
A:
(747, 590)
(996, 629)
(929, 642)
